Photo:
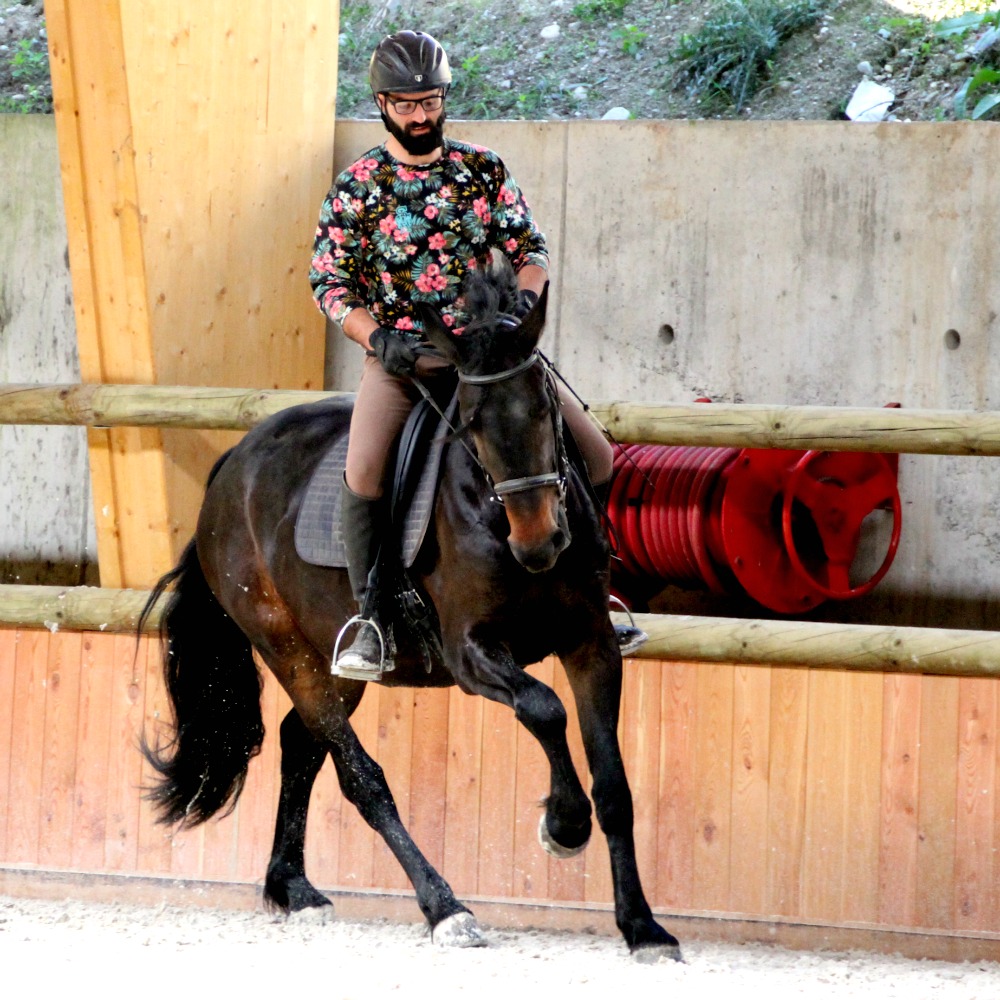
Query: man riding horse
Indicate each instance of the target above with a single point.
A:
(399, 229)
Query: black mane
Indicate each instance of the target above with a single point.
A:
(488, 294)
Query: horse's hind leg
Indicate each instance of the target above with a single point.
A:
(321, 725)
(596, 678)
(286, 887)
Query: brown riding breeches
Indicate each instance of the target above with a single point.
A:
(384, 402)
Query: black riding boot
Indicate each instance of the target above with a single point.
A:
(367, 658)
(630, 637)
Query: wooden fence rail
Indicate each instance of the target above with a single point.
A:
(684, 638)
(829, 428)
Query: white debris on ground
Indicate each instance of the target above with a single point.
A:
(870, 102)
(170, 951)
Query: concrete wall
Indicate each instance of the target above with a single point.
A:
(47, 527)
(790, 263)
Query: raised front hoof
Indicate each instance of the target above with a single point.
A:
(554, 848)
(460, 930)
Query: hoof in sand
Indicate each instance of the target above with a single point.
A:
(458, 931)
(312, 915)
(556, 850)
(654, 954)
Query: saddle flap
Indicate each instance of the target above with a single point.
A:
(319, 538)
(418, 468)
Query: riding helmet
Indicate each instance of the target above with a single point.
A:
(408, 62)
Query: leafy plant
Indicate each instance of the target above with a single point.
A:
(29, 67)
(985, 78)
(970, 21)
(910, 28)
(986, 105)
(630, 37)
(600, 10)
(731, 53)
(471, 95)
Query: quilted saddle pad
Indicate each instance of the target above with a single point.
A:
(319, 535)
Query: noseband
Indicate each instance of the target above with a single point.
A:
(524, 483)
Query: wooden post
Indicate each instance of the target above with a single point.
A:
(109, 281)
(196, 145)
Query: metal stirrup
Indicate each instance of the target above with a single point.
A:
(357, 619)
(623, 606)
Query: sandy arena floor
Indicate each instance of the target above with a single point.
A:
(167, 951)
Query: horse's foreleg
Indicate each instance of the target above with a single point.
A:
(595, 675)
(488, 669)
(286, 887)
(364, 784)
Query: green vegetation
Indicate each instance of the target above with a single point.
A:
(630, 38)
(600, 10)
(730, 55)
(988, 103)
(657, 58)
(29, 69)
(984, 83)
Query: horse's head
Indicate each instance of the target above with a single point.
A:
(508, 403)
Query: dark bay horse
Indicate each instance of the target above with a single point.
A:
(511, 582)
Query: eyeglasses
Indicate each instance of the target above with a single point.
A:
(407, 106)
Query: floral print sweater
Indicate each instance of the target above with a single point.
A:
(391, 235)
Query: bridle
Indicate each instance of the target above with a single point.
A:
(520, 484)
(524, 483)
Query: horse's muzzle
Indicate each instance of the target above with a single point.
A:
(537, 538)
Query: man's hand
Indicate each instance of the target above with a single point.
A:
(393, 352)
(526, 300)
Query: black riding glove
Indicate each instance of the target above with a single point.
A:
(393, 352)
(526, 300)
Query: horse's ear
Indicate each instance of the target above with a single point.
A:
(531, 326)
(437, 333)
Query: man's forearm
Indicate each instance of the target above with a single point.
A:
(532, 277)
(358, 325)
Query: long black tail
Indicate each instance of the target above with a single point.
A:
(214, 686)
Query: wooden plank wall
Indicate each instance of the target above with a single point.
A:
(819, 795)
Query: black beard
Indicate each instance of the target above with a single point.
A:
(417, 145)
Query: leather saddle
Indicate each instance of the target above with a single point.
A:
(319, 533)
